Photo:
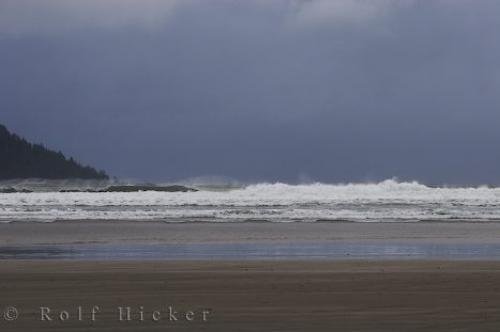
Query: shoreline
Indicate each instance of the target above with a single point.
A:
(250, 292)
(151, 241)
(153, 232)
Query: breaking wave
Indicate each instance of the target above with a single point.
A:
(388, 200)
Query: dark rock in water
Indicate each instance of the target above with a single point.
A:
(13, 190)
(126, 189)
(130, 188)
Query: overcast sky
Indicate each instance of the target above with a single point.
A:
(274, 90)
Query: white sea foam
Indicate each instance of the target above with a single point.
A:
(385, 201)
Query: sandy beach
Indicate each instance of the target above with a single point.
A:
(253, 296)
(375, 294)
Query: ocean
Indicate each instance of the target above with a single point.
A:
(386, 201)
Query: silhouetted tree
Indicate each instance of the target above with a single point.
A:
(21, 159)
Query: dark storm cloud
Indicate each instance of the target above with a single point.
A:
(333, 90)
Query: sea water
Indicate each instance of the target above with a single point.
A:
(386, 201)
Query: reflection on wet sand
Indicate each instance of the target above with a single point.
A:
(257, 251)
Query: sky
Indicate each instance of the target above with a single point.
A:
(259, 90)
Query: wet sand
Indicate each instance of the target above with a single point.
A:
(149, 232)
(255, 296)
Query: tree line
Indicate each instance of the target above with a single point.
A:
(22, 159)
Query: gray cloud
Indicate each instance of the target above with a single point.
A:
(261, 90)
(60, 16)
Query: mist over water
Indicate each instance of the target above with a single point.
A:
(387, 201)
